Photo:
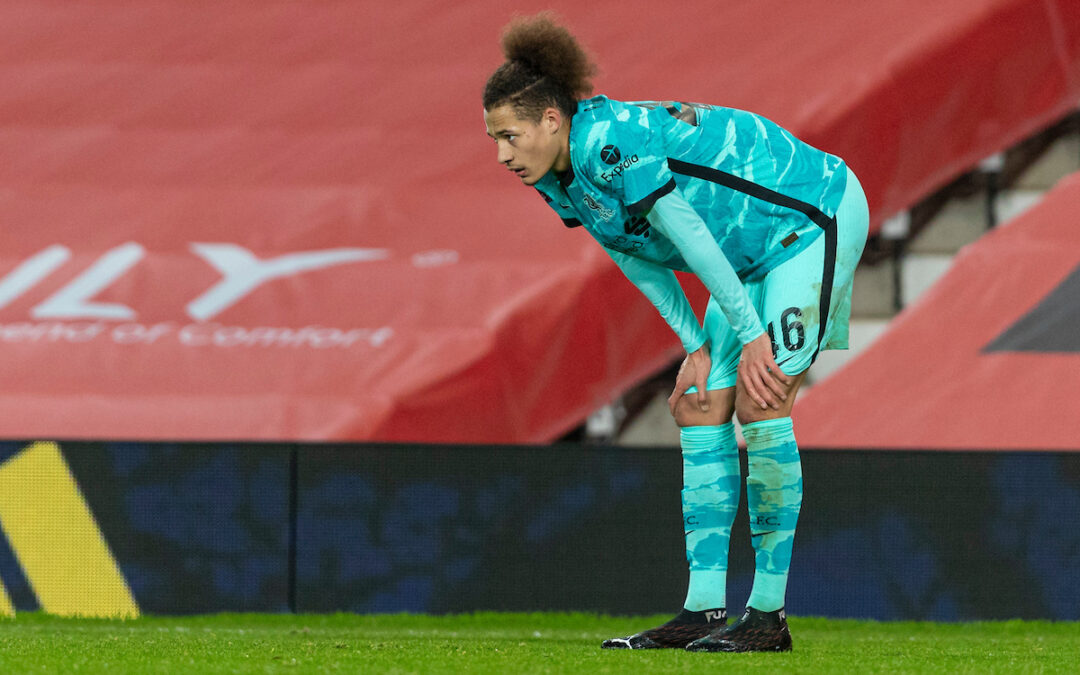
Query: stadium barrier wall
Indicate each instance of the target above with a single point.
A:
(118, 529)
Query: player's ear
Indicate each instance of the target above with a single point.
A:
(551, 119)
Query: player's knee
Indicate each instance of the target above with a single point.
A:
(692, 416)
(748, 411)
(688, 412)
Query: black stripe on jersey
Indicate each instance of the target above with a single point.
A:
(643, 205)
(816, 215)
(826, 282)
(753, 189)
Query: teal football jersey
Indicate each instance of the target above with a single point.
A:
(763, 194)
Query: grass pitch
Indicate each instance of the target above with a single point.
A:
(508, 643)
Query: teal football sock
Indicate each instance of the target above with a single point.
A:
(774, 496)
(710, 497)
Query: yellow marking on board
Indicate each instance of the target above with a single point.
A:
(56, 539)
(6, 608)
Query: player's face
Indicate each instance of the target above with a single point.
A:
(529, 149)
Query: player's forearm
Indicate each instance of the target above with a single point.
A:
(661, 287)
(678, 221)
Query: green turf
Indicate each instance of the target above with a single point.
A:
(508, 643)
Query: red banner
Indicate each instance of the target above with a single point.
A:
(279, 220)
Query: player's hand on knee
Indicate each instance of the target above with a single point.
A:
(759, 375)
(694, 372)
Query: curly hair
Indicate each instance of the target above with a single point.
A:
(545, 67)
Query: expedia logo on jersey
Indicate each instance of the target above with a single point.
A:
(613, 158)
(610, 154)
(606, 214)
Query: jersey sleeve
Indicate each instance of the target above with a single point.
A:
(673, 217)
(627, 156)
(660, 286)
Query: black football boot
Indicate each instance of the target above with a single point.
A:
(754, 631)
(675, 634)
